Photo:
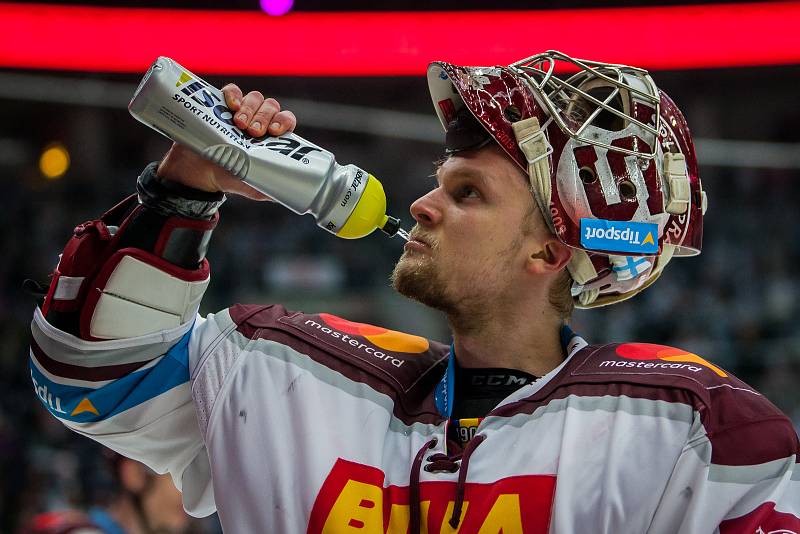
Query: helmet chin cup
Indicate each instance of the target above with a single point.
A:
(608, 154)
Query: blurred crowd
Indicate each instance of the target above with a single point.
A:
(734, 304)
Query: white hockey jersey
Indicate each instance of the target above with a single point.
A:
(286, 422)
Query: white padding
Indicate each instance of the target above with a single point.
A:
(68, 287)
(140, 299)
(115, 318)
(677, 183)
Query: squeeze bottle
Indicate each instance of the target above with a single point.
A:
(343, 199)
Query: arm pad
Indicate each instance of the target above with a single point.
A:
(136, 270)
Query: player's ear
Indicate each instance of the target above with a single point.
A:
(552, 257)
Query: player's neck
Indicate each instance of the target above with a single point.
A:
(528, 342)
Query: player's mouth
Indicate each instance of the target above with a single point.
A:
(418, 242)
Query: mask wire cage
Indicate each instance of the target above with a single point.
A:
(539, 73)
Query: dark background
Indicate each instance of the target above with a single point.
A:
(735, 304)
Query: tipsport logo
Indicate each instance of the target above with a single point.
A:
(54, 403)
(619, 236)
(380, 339)
(649, 356)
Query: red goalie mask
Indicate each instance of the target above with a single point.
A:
(609, 156)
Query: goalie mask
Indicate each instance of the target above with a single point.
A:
(609, 156)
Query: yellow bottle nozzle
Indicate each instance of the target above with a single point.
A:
(369, 213)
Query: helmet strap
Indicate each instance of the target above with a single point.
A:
(582, 270)
(533, 142)
(534, 145)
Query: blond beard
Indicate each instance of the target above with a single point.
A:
(421, 279)
(418, 278)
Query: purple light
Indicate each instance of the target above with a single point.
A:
(276, 7)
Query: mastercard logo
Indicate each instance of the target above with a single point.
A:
(648, 351)
(384, 338)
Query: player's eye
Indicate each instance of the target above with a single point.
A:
(468, 191)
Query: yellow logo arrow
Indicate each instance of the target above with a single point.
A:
(84, 406)
(648, 239)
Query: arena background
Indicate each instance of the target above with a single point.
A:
(735, 304)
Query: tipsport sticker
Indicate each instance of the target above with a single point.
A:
(619, 236)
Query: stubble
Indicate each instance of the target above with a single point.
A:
(416, 276)
(421, 277)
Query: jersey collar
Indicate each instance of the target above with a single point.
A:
(444, 391)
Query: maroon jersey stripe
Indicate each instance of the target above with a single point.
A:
(77, 372)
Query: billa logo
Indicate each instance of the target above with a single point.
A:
(353, 499)
(765, 519)
(650, 352)
(380, 337)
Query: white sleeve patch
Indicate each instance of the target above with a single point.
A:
(68, 287)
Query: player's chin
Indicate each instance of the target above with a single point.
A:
(404, 273)
(416, 278)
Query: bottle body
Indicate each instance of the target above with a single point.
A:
(298, 174)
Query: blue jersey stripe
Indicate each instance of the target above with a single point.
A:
(79, 404)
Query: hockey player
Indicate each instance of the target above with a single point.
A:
(557, 191)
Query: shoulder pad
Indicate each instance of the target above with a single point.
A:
(400, 359)
(724, 402)
(653, 364)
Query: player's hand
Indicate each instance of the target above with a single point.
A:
(252, 113)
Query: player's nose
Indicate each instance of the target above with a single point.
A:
(425, 209)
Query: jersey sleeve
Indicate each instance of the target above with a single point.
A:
(115, 342)
(740, 480)
(131, 395)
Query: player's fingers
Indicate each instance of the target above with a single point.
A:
(250, 104)
(233, 96)
(264, 116)
(282, 122)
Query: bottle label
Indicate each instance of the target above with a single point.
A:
(356, 180)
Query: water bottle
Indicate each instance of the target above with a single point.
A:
(300, 175)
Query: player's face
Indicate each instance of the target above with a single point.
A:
(475, 230)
